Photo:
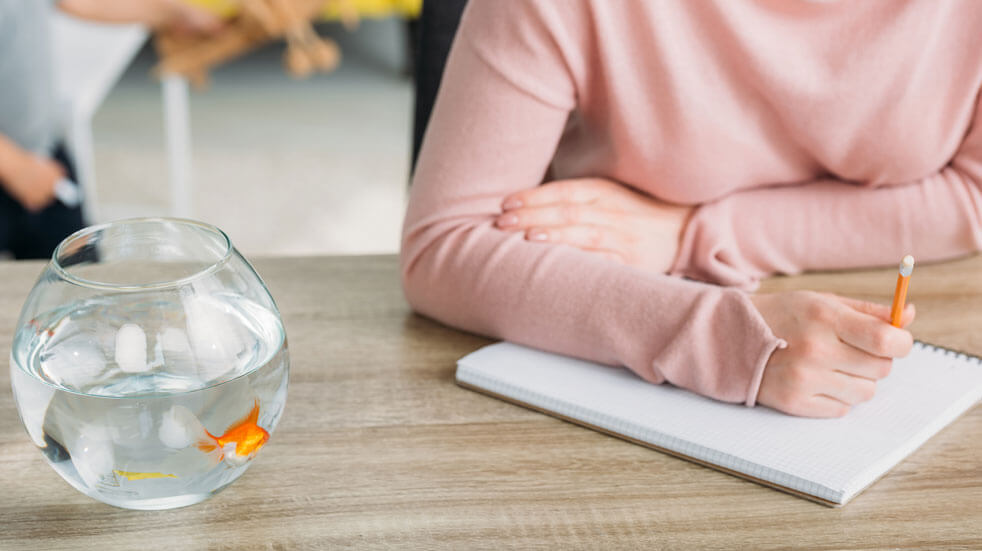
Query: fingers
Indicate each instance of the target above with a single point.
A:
(801, 390)
(593, 238)
(844, 388)
(881, 311)
(852, 361)
(868, 367)
(872, 334)
(838, 349)
(820, 406)
(813, 392)
(577, 190)
(567, 214)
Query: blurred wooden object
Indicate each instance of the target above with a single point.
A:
(257, 22)
(346, 11)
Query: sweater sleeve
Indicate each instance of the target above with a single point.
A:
(830, 224)
(507, 92)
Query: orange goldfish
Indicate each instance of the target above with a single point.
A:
(37, 328)
(247, 436)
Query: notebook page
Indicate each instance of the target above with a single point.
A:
(832, 459)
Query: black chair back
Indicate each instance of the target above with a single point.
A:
(437, 26)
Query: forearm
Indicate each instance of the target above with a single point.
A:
(700, 337)
(459, 269)
(489, 137)
(830, 225)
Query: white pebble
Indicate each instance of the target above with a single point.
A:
(131, 349)
(174, 340)
(92, 455)
(177, 426)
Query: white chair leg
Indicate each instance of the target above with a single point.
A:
(80, 145)
(177, 129)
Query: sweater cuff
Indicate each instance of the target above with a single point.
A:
(684, 257)
(758, 373)
(760, 342)
(708, 250)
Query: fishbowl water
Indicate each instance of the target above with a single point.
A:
(151, 400)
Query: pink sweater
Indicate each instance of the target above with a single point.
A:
(812, 135)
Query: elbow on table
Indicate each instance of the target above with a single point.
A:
(411, 278)
(436, 272)
(421, 279)
(430, 291)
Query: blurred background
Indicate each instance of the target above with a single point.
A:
(285, 165)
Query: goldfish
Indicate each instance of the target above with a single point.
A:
(247, 436)
(84, 433)
(38, 330)
(129, 475)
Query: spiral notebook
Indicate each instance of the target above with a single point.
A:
(826, 460)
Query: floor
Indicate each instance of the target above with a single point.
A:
(285, 167)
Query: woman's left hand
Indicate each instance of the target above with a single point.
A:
(600, 216)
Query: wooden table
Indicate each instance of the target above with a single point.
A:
(379, 448)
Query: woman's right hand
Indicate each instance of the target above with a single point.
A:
(837, 349)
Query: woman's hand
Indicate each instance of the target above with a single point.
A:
(184, 18)
(172, 15)
(837, 349)
(28, 178)
(599, 216)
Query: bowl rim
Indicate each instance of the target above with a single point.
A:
(68, 276)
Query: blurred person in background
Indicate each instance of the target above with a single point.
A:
(32, 157)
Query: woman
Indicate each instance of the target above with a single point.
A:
(711, 141)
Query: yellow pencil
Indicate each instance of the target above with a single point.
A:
(900, 294)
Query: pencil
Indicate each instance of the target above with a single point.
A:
(900, 294)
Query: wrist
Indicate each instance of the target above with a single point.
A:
(682, 217)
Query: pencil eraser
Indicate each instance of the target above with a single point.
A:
(907, 265)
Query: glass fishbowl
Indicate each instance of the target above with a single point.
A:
(149, 364)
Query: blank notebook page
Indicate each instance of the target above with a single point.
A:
(829, 459)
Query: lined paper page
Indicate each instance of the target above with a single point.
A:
(832, 459)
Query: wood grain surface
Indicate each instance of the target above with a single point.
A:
(378, 448)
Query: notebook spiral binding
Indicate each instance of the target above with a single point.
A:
(950, 352)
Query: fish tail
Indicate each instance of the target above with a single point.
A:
(254, 414)
(209, 443)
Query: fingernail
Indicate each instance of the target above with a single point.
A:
(510, 204)
(539, 236)
(507, 220)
